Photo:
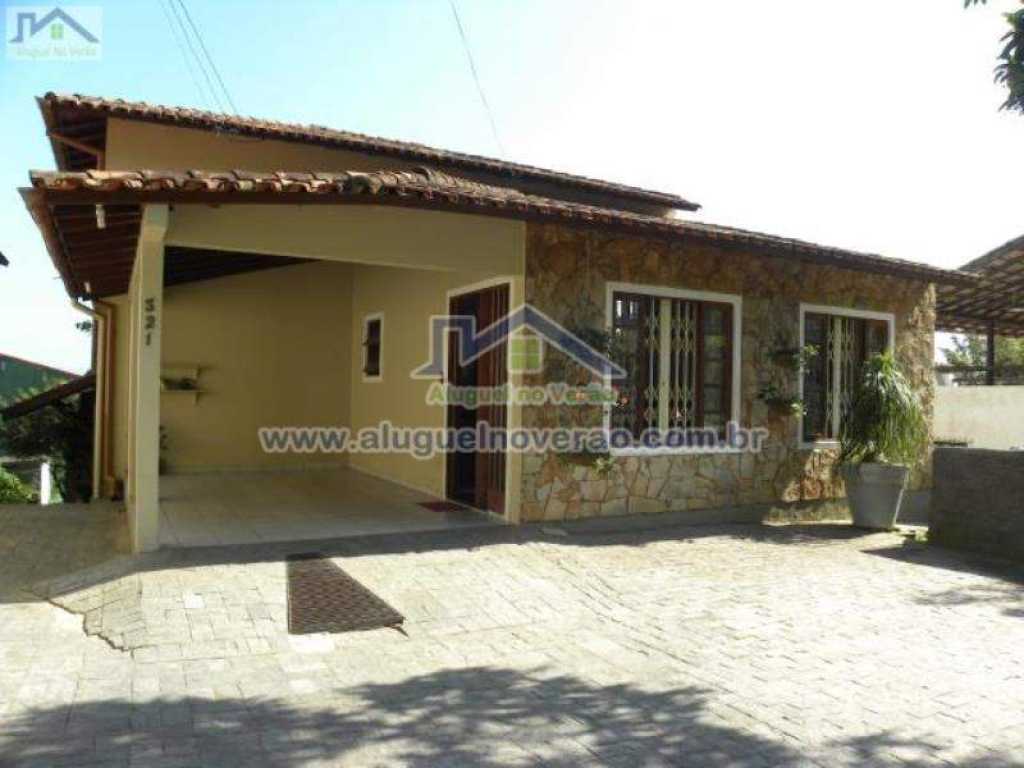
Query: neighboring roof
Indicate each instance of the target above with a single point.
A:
(62, 392)
(996, 300)
(56, 199)
(82, 119)
(39, 366)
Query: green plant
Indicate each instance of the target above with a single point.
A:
(1009, 71)
(886, 422)
(796, 358)
(602, 463)
(774, 398)
(62, 432)
(12, 490)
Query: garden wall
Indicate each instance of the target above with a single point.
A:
(978, 501)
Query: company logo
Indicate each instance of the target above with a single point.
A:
(41, 32)
(526, 329)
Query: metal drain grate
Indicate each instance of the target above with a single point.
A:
(443, 506)
(323, 598)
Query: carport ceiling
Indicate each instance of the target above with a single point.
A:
(191, 265)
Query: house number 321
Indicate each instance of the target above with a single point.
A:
(149, 319)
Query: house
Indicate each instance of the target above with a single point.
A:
(19, 376)
(248, 274)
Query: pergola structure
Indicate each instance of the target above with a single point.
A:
(992, 307)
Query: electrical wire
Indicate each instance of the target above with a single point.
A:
(476, 77)
(195, 56)
(213, 67)
(203, 97)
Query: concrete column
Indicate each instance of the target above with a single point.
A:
(990, 356)
(147, 305)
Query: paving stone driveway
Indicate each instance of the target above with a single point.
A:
(734, 645)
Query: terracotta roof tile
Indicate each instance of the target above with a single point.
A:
(429, 188)
(317, 134)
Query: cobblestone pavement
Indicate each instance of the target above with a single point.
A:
(706, 646)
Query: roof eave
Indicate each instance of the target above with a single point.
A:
(514, 209)
(50, 123)
(208, 122)
(36, 202)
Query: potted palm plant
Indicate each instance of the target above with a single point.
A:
(884, 433)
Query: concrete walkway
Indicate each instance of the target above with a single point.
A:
(228, 508)
(731, 645)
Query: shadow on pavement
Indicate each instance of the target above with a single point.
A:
(480, 716)
(1006, 590)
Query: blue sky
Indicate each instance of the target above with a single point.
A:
(871, 125)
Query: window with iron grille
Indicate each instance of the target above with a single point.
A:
(372, 330)
(678, 354)
(844, 344)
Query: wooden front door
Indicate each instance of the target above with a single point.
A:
(479, 478)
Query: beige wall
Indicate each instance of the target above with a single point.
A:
(987, 417)
(132, 145)
(406, 299)
(363, 234)
(274, 348)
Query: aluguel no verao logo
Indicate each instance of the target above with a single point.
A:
(70, 32)
(526, 350)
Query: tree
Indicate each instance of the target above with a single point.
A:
(1010, 69)
(972, 351)
(12, 490)
(61, 432)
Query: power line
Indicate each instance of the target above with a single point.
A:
(195, 55)
(476, 77)
(213, 67)
(184, 54)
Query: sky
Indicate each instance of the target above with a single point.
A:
(870, 125)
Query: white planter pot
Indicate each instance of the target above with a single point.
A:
(875, 492)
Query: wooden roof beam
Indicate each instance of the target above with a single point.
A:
(81, 146)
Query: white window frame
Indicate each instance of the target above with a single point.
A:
(665, 292)
(367, 319)
(862, 314)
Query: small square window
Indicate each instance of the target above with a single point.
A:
(372, 334)
(526, 354)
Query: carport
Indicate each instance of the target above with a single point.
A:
(992, 307)
(230, 303)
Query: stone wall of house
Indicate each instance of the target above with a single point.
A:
(978, 501)
(566, 274)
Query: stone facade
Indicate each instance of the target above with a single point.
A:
(566, 275)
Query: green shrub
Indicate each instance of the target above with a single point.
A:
(886, 421)
(12, 490)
